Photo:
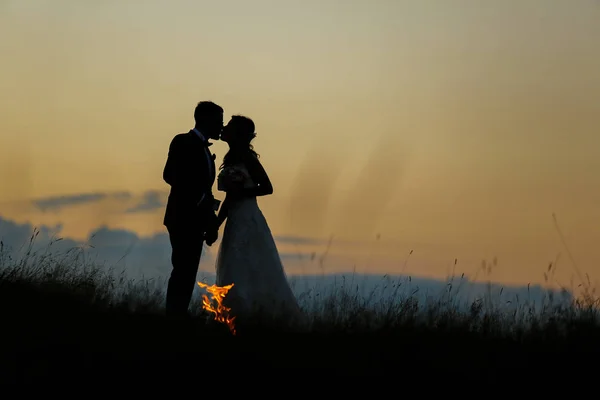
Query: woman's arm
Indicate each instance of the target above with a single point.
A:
(222, 212)
(260, 178)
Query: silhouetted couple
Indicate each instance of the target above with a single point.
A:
(247, 255)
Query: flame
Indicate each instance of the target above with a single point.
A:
(216, 306)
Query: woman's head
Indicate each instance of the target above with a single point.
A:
(238, 134)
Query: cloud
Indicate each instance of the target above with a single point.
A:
(137, 256)
(56, 203)
(124, 250)
(151, 200)
(149, 258)
(300, 240)
(459, 293)
(18, 238)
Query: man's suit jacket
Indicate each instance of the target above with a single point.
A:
(190, 171)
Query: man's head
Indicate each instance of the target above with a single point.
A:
(209, 119)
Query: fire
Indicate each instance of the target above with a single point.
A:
(216, 306)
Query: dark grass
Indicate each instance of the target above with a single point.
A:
(66, 320)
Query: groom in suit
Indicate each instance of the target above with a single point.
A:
(190, 215)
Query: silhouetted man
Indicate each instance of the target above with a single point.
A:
(190, 213)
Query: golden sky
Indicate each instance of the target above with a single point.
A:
(454, 128)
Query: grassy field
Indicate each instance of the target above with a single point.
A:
(66, 319)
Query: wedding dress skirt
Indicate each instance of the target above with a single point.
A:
(248, 258)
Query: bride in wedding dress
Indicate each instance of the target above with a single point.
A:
(248, 257)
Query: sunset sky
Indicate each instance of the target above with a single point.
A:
(451, 128)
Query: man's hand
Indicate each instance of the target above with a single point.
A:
(211, 236)
(212, 233)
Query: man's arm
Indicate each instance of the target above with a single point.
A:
(181, 172)
(170, 170)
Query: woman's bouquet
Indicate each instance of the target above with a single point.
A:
(232, 178)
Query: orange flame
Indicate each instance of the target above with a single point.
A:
(221, 312)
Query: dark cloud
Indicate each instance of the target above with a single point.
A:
(149, 258)
(457, 294)
(125, 251)
(141, 257)
(151, 200)
(56, 203)
(20, 238)
(148, 201)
